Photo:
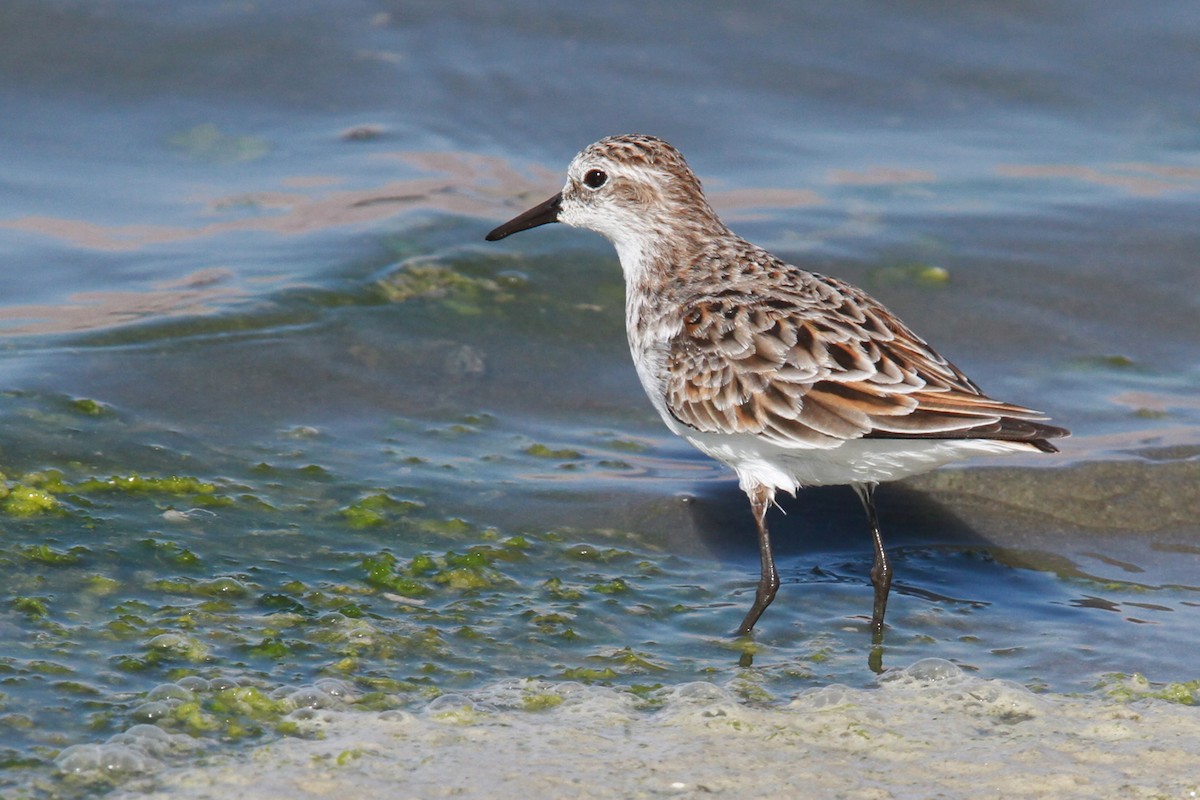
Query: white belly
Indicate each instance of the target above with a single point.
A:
(854, 461)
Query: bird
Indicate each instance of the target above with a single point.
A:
(790, 377)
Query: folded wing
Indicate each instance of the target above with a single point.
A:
(818, 362)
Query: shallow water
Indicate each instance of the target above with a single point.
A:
(274, 414)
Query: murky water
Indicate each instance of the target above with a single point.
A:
(281, 431)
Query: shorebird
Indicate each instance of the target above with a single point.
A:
(789, 377)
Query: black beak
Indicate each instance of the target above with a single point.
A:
(541, 214)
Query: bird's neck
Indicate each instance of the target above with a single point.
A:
(656, 257)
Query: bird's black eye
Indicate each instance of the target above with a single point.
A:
(595, 178)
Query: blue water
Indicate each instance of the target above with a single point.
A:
(242, 245)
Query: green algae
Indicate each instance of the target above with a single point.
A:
(1127, 688)
(88, 407)
(248, 702)
(591, 553)
(27, 501)
(135, 484)
(542, 451)
(176, 647)
(612, 666)
(450, 526)
(460, 572)
(556, 625)
(171, 553)
(635, 661)
(221, 587)
(464, 716)
(31, 607)
(230, 714)
(384, 571)
(626, 445)
(377, 509)
(540, 701)
(273, 647)
(49, 493)
(46, 555)
(51, 481)
(42, 667)
(556, 588)
(451, 287)
(614, 586)
(101, 585)
(281, 603)
(465, 579)
(748, 687)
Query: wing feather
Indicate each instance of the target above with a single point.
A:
(810, 361)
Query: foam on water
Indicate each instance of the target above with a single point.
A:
(144, 748)
(137, 750)
(930, 728)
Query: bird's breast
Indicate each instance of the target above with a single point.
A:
(650, 332)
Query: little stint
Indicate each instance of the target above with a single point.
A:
(791, 378)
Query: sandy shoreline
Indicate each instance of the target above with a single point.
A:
(928, 730)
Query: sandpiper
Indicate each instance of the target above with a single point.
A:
(790, 377)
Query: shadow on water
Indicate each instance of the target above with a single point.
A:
(825, 519)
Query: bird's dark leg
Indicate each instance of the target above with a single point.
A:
(881, 570)
(768, 584)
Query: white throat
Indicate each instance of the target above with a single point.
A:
(635, 259)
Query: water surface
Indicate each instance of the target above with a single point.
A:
(280, 429)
